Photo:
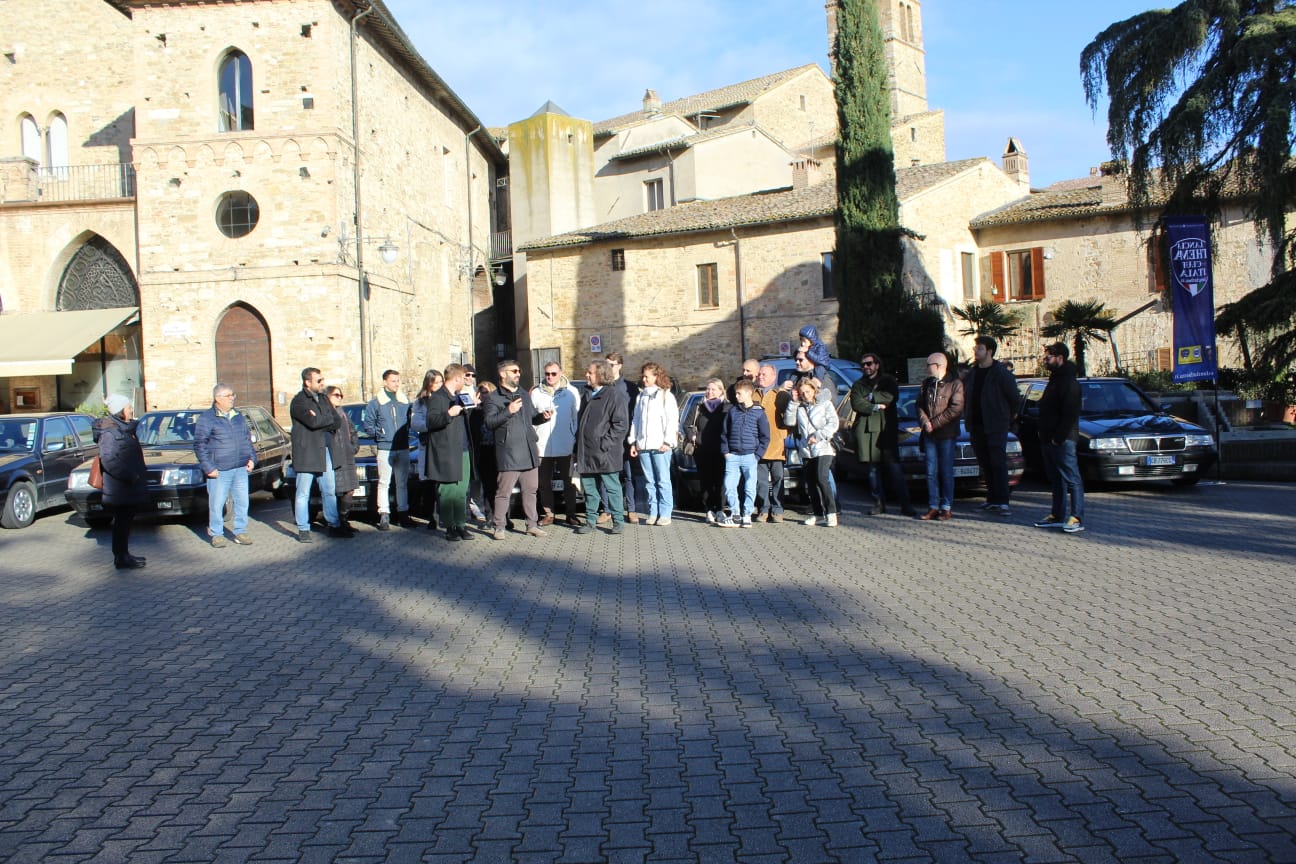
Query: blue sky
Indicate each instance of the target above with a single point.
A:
(996, 68)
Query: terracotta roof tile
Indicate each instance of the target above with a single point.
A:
(711, 100)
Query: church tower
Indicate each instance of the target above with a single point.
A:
(906, 59)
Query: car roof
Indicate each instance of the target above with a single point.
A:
(43, 415)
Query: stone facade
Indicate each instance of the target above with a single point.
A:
(298, 269)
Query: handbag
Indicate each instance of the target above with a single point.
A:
(96, 473)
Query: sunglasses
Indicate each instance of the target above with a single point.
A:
(552, 374)
(336, 396)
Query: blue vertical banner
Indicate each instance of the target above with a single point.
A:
(1192, 298)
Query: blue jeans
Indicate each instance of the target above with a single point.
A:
(657, 478)
(328, 496)
(226, 483)
(744, 466)
(1063, 472)
(940, 472)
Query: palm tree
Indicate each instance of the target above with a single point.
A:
(987, 319)
(1081, 322)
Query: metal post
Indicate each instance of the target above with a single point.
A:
(361, 280)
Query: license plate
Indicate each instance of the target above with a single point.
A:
(1160, 460)
(966, 471)
(360, 492)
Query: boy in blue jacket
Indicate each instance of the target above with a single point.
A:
(744, 439)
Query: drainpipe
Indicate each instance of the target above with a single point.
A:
(738, 284)
(362, 286)
(472, 271)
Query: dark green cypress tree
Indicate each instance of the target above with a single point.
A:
(874, 312)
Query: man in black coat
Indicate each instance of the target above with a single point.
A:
(1059, 430)
(991, 401)
(511, 416)
(313, 423)
(599, 456)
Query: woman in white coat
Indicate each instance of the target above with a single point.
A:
(816, 422)
(654, 432)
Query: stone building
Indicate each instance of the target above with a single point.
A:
(251, 187)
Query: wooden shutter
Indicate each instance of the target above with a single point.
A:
(997, 278)
(1157, 251)
(1037, 272)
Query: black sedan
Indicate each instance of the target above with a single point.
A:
(177, 486)
(37, 454)
(967, 472)
(1124, 435)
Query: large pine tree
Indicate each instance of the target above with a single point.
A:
(1202, 98)
(875, 312)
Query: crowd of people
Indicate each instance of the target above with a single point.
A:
(481, 440)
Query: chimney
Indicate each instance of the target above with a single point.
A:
(1115, 187)
(805, 173)
(651, 102)
(1016, 164)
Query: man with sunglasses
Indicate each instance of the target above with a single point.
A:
(557, 438)
(877, 441)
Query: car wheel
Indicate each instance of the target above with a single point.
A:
(1187, 480)
(20, 508)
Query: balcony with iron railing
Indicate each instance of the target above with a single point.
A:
(21, 182)
(501, 245)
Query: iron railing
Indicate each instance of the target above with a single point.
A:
(70, 183)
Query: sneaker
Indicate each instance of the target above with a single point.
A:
(1001, 510)
(583, 529)
(811, 520)
(617, 528)
(498, 534)
(1049, 521)
(452, 534)
(604, 518)
(384, 522)
(776, 517)
(305, 536)
(747, 522)
(832, 520)
(537, 532)
(662, 522)
(727, 522)
(711, 517)
(987, 506)
(241, 540)
(218, 541)
(1073, 525)
(463, 533)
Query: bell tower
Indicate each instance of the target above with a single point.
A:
(902, 37)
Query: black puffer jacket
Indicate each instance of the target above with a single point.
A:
(125, 476)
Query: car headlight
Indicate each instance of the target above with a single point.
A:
(1107, 445)
(1199, 441)
(181, 477)
(79, 480)
(1013, 447)
(908, 454)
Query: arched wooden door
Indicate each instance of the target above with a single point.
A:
(243, 356)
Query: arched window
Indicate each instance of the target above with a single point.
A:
(235, 92)
(56, 142)
(31, 138)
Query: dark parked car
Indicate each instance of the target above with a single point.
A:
(37, 454)
(967, 473)
(1124, 435)
(177, 486)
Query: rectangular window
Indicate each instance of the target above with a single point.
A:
(969, 276)
(826, 275)
(618, 259)
(1017, 275)
(708, 286)
(654, 192)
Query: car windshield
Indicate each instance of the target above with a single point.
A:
(167, 428)
(355, 411)
(907, 403)
(17, 436)
(1113, 397)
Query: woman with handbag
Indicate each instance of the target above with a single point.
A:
(125, 476)
(346, 481)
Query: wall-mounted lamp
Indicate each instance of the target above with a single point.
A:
(389, 251)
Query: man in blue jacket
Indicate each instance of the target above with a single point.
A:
(223, 445)
(386, 420)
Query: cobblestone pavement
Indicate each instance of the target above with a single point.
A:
(888, 690)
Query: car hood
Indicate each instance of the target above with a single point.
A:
(1098, 425)
(7, 459)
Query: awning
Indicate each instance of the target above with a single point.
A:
(46, 343)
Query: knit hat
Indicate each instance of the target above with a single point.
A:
(116, 403)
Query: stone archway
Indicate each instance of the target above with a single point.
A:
(243, 356)
(97, 277)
